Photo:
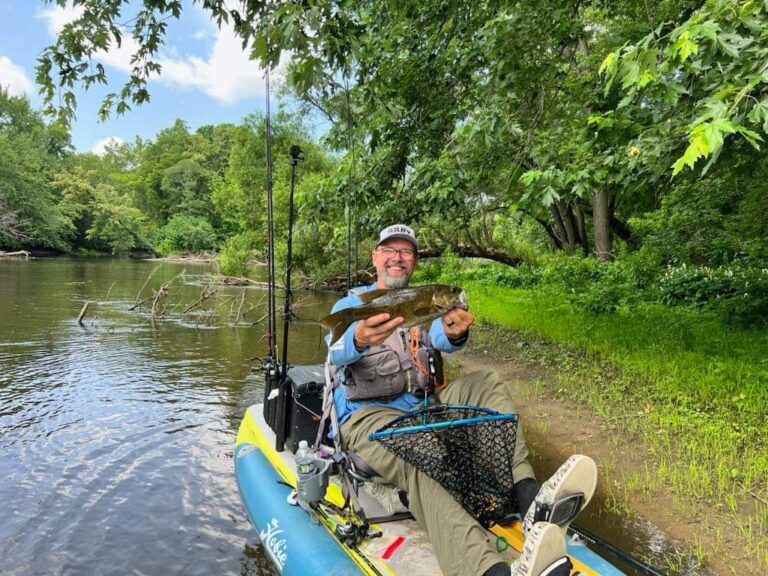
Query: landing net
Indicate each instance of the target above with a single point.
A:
(468, 450)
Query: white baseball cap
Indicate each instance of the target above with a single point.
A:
(398, 231)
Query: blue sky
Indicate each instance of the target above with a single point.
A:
(206, 77)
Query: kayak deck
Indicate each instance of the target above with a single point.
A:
(402, 548)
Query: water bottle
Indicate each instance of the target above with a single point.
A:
(306, 469)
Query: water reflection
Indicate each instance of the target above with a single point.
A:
(116, 437)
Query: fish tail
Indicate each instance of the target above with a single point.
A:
(337, 323)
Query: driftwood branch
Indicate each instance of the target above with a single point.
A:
(140, 304)
(17, 254)
(156, 298)
(83, 310)
(137, 303)
(240, 308)
(204, 295)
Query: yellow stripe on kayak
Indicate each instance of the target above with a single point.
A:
(513, 534)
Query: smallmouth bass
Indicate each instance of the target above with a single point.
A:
(417, 306)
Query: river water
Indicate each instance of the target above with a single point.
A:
(116, 437)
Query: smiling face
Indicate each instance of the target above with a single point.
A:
(394, 269)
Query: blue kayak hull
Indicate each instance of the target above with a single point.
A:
(296, 546)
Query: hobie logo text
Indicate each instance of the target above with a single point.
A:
(277, 548)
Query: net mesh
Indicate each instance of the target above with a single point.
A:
(468, 450)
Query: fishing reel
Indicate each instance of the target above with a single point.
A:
(296, 154)
(352, 534)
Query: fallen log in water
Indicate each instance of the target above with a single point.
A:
(17, 254)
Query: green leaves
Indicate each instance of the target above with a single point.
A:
(706, 140)
(685, 45)
(759, 114)
(706, 80)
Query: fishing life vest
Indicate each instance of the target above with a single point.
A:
(405, 361)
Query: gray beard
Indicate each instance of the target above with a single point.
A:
(392, 282)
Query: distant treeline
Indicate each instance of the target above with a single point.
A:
(183, 191)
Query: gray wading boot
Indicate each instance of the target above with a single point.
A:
(564, 495)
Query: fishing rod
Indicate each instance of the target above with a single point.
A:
(351, 197)
(275, 381)
(295, 153)
(270, 361)
(595, 540)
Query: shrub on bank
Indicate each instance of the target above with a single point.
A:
(186, 233)
(236, 254)
(738, 294)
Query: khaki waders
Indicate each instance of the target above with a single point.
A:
(460, 542)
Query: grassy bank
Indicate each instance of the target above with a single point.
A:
(692, 387)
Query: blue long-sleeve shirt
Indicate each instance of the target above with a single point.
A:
(344, 352)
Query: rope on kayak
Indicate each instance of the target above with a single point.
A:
(468, 450)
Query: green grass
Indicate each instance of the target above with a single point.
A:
(699, 388)
(688, 388)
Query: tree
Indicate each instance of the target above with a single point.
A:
(30, 151)
(99, 213)
(703, 76)
(460, 120)
(239, 197)
(185, 186)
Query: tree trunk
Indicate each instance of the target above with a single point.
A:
(554, 241)
(474, 252)
(601, 221)
(566, 209)
(560, 226)
(617, 226)
(582, 228)
(620, 229)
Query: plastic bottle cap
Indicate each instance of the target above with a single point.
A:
(303, 444)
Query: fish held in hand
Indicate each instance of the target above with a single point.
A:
(417, 306)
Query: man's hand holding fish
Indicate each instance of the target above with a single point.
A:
(456, 323)
(374, 330)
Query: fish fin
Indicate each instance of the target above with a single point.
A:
(330, 321)
(367, 297)
(338, 332)
(337, 323)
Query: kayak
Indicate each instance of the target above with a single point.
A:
(301, 542)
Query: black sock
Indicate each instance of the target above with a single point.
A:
(525, 493)
(500, 569)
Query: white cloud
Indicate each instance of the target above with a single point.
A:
(100, 146)
(14, 79)
(56, 17)
(225, 74)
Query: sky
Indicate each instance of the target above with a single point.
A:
(206, 76)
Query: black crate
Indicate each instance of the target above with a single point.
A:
(305, 404)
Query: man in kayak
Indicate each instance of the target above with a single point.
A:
(376, 382)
